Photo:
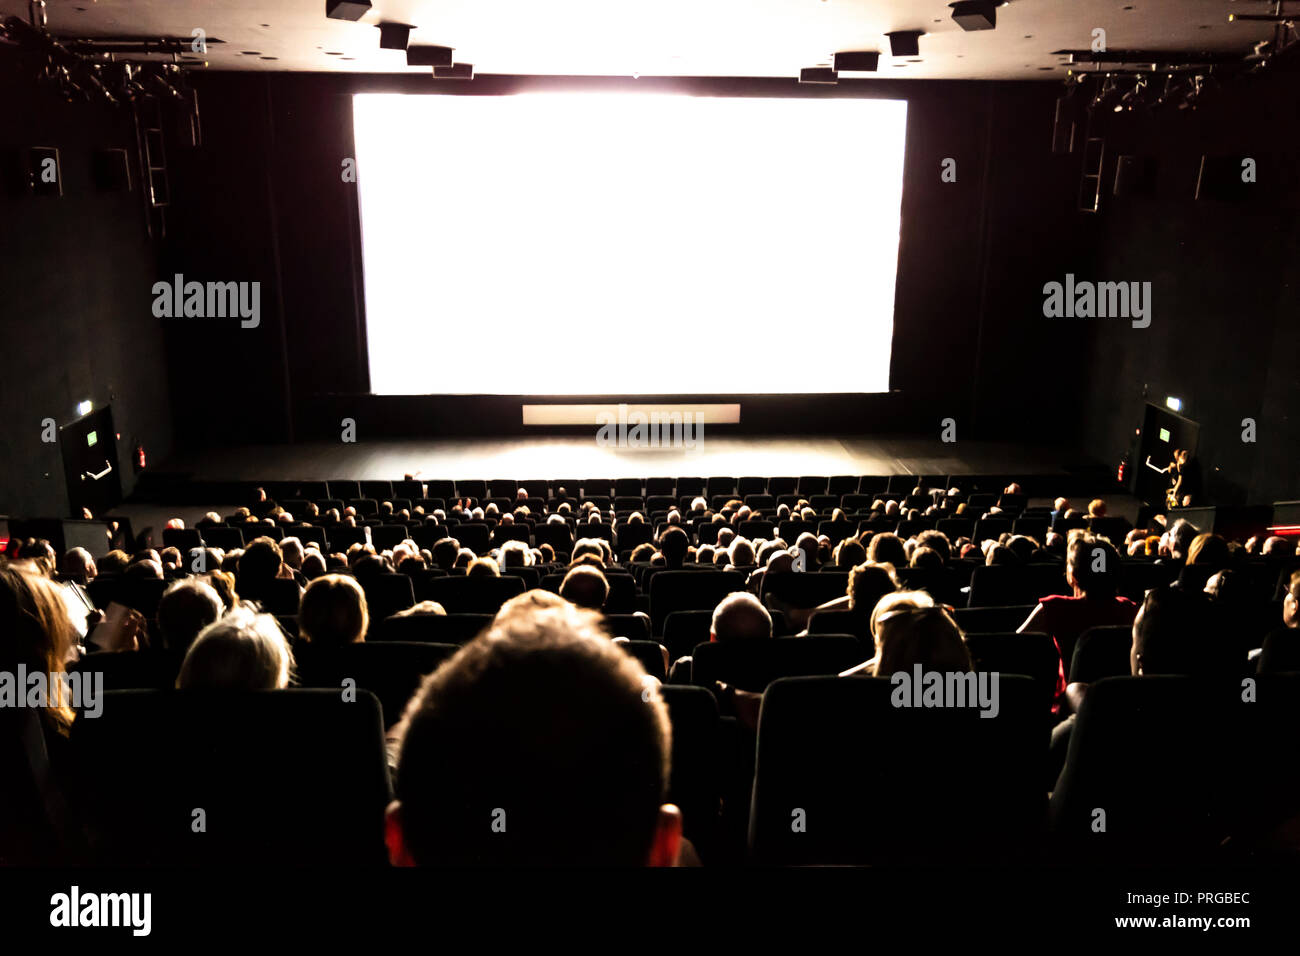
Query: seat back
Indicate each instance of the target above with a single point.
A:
(689, 591)
(297, 775)
(1141, 753)
(391, 670)
(844, 776)
(431, 628)
(480, 594)
(753, 665)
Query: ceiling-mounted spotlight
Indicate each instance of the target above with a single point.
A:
(905, 42)
(818, 74)
(457, 71)
(346, 9)
(856, 61)
(975, 14)
(429, 56)
(394, 36)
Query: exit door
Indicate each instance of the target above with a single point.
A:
(1162, 432)
(90, 463)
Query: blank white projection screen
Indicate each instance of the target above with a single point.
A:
(628, 244)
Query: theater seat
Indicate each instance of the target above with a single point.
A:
(480, 594)
(689, 591)
(273, 776)
(845, 777)
(648, 654)
(1031, 654)
(753, 665)
(432, 628)
(1101, 652)
(132, 670)
(391, 670)
(1179, 765)
(695, 782)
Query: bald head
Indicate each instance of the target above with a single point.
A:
(740, 617)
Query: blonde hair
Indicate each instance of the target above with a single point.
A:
(909, 629)
(35, 631)
(245, 650)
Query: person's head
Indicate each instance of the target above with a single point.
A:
(849, 553)
(1091, 566)
(244, 650)
(937, 542)
(36, 632)
(114, 562)
(539, 743)
(1000, 554)
(1209, 550)
(807, 543)
(333, 611)
(1276, 546)
(1181, 536)
(909, 629)
(1291, 602)
(444, 553)
(741, 553)
(887, 548)
(673, 544)
(925, 559)
(186, 608)
(588, 547)
(485, 567)
(79, 566)
(313, 565)
(642, 553)
(868, 583)
(259, 565)
(515, 554)
(292, 552)
(740, 617)
(585, 586)
(1096, 508)
(1173, 633)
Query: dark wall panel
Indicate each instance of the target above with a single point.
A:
(75, 310)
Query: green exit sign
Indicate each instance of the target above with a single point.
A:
(92, 438)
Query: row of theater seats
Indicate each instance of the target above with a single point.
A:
(1159, 769)
(806, 485)
(660, 591)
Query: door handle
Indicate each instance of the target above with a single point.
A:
(95, 477)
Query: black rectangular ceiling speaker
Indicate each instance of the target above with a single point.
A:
(817, 74)
(905, 42)
(457, 71)
(1135, 176)
(856, 61)
(394, 36)
(429, 56)
(975, 14)
(110, 170)
(346, 9)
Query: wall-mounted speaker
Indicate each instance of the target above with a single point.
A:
(1135, 176)
(1221, 179)
(44, 173)
(110, 170)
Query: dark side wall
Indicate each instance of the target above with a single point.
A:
(263, 199)
(1225, 329)
(75, 317)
